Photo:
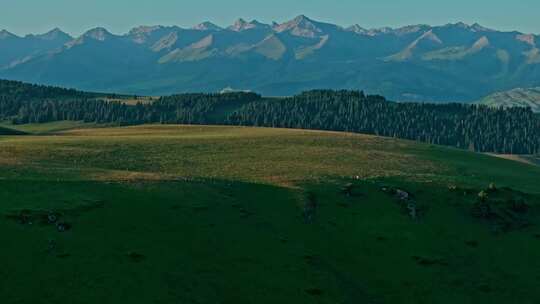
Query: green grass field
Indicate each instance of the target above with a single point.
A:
(197, 214)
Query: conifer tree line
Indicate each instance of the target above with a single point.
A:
(473, 127)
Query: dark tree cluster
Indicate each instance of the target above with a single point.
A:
(23, 91)
(473, 127)
(199, 108)
(24, 103)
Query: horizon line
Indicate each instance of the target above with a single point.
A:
(226, 27)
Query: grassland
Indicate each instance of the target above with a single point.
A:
(196, 214)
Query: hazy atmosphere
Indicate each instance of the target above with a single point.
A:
(76, 16)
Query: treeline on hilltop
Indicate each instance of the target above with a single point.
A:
(23, 91)
(473, 127)
(478, 128)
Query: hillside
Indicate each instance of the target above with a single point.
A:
(472, 127)
(452, 62)
(515, 98)
(180, 214)
(7, 131)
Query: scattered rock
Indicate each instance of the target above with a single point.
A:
(483, 196)
(402, 194)
(52, 218)
(406, 201)
(310, 207)
(413, 211)
(347, 189)
(398, 193)
(63, 226)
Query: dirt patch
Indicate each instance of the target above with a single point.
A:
(126, 176)
(517, 158)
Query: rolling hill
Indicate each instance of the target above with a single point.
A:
(473, 127)
(515, 98)
(180, 214)
(452, 62)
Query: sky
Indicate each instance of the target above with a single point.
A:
(76, 16)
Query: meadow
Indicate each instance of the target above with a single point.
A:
(213, 214)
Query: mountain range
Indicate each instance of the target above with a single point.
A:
(453, 62)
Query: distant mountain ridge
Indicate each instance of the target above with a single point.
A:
(515, 98)
(15, 50)
(453, 62)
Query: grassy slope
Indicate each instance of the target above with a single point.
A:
(44, 128)
(216, 213)
(10, 131)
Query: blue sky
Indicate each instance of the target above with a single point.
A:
(76, 16)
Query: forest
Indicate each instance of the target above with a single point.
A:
(473, 127)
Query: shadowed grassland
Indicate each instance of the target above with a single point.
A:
(47, 128)
(194, 214)
(7, 131)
